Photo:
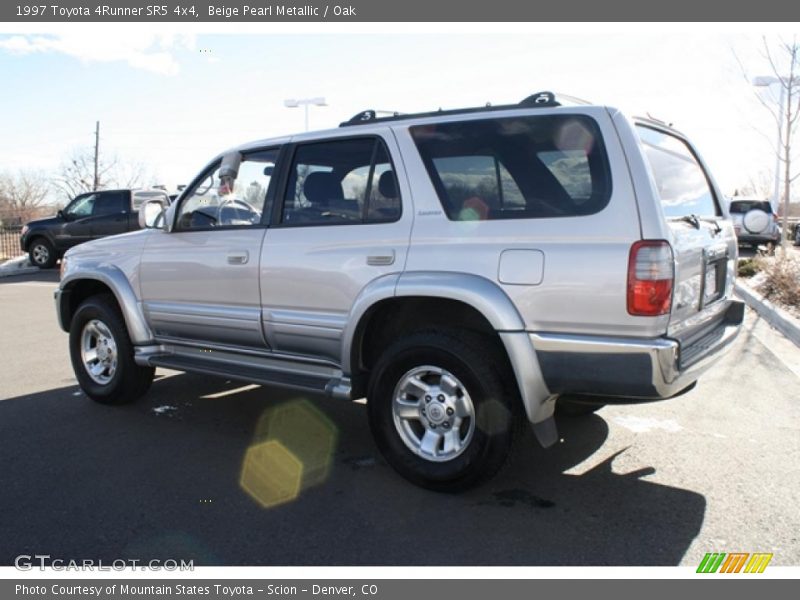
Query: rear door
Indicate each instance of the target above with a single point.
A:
(339, 225)
(702, 240)
(110, 213)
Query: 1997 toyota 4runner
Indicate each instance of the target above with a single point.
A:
(461, 269)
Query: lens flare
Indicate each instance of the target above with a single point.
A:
(292, 451)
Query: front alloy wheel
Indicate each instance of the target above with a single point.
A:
(98, 351)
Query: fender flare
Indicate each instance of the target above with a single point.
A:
(118, 283)
(484, 296)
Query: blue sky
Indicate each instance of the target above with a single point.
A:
(172, 99)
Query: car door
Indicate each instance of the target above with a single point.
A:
(77, 226)
(199, 282)
(110, 213)
(339, 225)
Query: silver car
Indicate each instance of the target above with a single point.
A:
(463, 270)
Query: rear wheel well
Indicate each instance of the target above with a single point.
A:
(79, 292)
(391, 319)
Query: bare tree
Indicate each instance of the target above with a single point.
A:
(23, 195)
(784, 61)
(759, 186)
(76, 174)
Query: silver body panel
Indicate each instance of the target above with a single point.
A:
(283, 304)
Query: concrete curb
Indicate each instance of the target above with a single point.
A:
(17, 266)
(781, 320)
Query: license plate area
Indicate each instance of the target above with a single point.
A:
(714, 273)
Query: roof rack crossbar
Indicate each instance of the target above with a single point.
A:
(538, 100)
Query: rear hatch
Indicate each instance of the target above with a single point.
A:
(702, 239)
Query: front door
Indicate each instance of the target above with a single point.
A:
(199, 282)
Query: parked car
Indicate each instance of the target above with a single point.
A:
(88, 217)
(461, 269)
(754, 221)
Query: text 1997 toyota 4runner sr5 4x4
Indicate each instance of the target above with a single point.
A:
(460, 269)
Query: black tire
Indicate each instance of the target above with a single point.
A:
(129, 381)
(41, 253)
(468, 357)
(574, 406)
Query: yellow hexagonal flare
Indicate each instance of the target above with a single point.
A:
(292, 450)
(271, 474)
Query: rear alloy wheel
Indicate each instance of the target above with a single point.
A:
(42, 254)
(439, 411)
(102, 354)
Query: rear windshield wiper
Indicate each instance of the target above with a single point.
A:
(695, 221)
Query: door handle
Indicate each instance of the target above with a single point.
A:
(238, 258)
(381, 260)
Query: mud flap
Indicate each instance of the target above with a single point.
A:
(546, 432)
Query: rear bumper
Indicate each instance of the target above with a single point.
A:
(748, 238)
(629, 368)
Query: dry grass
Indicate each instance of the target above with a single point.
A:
(780, 279)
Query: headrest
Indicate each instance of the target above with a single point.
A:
(322, 188)
(387, 185)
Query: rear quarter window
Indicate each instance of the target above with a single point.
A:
(683, 185)
(521, 167)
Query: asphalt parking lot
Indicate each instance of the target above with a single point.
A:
(657, 484)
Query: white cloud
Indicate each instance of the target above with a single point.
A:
(146, 51)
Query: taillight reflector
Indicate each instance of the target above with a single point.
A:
(650, 277)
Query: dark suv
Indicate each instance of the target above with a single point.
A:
(88, 217)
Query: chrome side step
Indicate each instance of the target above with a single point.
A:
(282, 372)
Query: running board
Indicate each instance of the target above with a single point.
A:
(251, 369)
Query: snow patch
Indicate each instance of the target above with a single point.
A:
(644, 424)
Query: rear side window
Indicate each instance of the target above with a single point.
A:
(682, 184)
(341, 182)
(523, 167)
(110, 203)
(740, 207)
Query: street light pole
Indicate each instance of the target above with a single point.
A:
(305, 103)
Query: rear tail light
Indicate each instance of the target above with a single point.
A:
(651, 273)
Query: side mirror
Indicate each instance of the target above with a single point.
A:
(151, 215)
(60, 214)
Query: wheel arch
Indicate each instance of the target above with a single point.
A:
(78, 286)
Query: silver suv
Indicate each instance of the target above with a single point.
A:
(462, 270)
(754, 221)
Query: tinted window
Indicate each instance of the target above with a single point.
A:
(682, 184)
(230, 202)
(744, 206)
(525, 167)
(341, 182)
(110, 203)
(82, 206)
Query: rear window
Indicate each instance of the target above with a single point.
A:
(682, 184)
(740, 207)
(522, 167)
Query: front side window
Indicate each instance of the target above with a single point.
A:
(82, 206)
(521, 167)
(682, 184)
(341, 182)
(226, 202)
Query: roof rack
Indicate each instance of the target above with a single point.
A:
(538, 100)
